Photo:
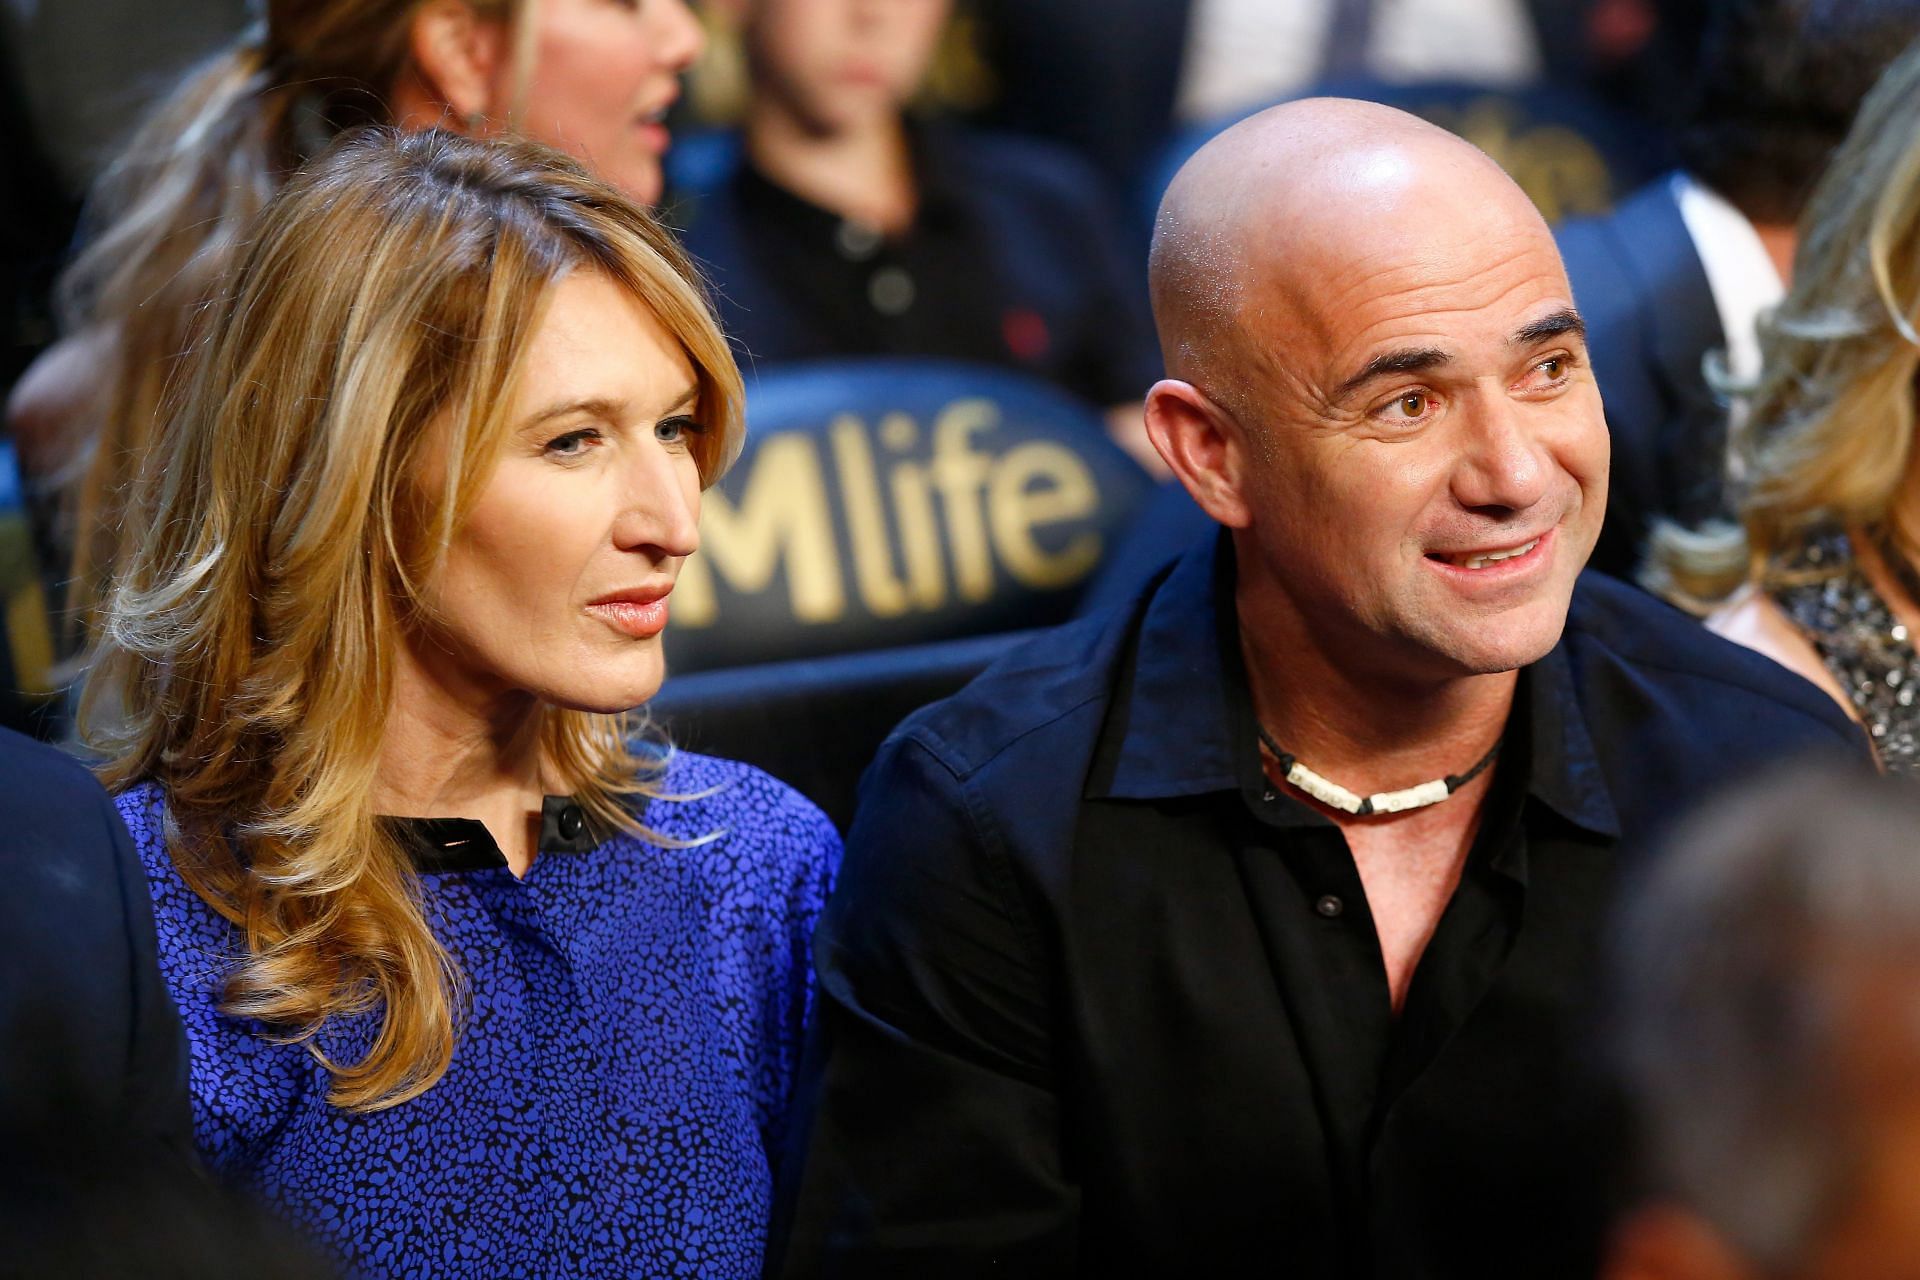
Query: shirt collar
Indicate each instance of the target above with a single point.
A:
(465, 844)
(1181, 716)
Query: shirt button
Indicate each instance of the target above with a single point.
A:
(572, 822)
(1329, 906)
(890, 291)
(856, 241)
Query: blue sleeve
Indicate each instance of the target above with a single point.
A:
(926, 1139)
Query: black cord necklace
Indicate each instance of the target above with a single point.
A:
(1335, 796)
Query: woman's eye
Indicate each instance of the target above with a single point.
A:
(676, 430)
(571, 445)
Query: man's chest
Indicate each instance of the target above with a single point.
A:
(1250, 1077)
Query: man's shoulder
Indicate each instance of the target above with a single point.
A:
(1619, 638)
(37, 779)
(1045, 694)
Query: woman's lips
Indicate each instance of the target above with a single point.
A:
(640, 619)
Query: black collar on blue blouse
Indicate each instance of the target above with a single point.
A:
(465, 844)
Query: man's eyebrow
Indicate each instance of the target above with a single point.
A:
(1405, 360)
(1559, 324)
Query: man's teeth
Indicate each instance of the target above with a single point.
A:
(1482, 559)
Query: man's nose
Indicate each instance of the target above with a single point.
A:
(659, 508)
(1502, 463)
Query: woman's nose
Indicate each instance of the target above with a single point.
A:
(678, 36)
(660, 505)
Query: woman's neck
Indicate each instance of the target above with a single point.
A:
(863, 172)
(454, 750)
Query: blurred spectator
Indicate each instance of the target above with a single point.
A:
(1685, 267)
(88, 68)
(1114, 78)
(1821, 572)
(1768, 977)
(845, 227)
(103, 1213)
(87, 1033)
(171, 212)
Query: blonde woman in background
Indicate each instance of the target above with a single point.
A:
(591, 77)
(476, 982)
(1823, 574)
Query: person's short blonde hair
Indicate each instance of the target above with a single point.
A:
(384, 308)
(1827, 434)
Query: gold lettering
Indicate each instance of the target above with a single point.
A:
(783, 513)
(919, 535)
(959, 473)
(1015, 506)
(884, 594)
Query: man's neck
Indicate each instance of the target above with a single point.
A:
(1368, 730)
(863, 172)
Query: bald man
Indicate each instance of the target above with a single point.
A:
(1247, 930)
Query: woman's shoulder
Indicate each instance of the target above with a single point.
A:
(1752, 618)
(191, 931)
(699, 797)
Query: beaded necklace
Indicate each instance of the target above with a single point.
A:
(1335, 796)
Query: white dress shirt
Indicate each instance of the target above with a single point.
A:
(1741, 275)
(1242, 53)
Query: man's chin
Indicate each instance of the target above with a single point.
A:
(1505, 644)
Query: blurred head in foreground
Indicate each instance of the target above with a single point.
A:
(1767, 978)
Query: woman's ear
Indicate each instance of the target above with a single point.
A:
(457, 58)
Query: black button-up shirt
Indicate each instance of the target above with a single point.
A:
(1099, 1000)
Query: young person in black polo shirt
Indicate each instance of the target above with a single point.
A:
(848, 228)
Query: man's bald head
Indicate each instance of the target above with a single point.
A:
(1272, 211)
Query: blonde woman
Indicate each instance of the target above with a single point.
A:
(591, 77)
(476, 984)
(1822, 574)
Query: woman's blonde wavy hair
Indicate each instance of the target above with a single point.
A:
(383, 306)
(1827, 433)
(169, 215)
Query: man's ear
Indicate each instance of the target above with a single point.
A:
(458, 57)
(1203, 446)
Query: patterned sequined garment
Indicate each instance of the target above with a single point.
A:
(1866, 648)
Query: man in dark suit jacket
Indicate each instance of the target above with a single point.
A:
(89, 1042)
(1247, 930)
(1662, 278)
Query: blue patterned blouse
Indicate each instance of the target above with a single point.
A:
(620, 1076)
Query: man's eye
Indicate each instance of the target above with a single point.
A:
(1553, 366)
(1411, 405)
